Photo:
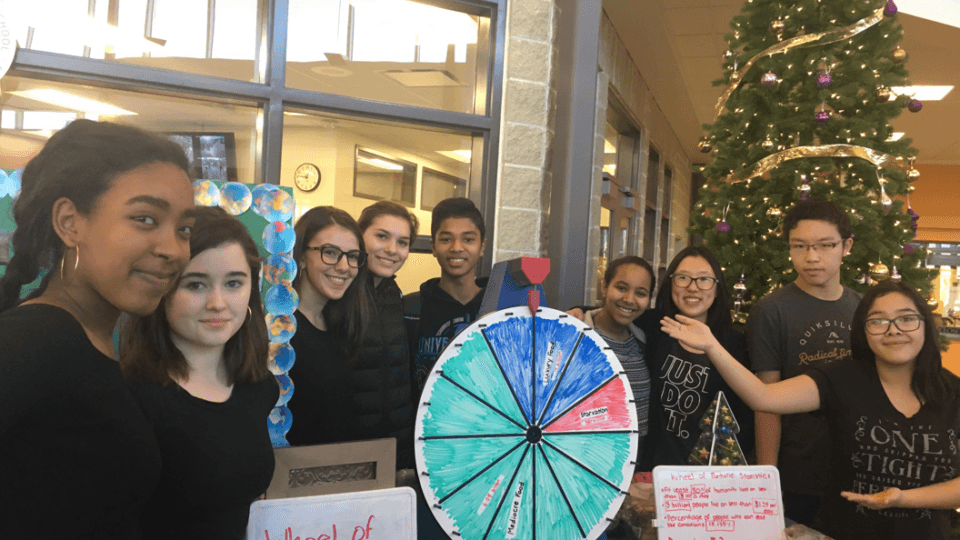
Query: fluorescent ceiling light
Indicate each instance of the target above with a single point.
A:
(941, 11)
(463, 156)
(72, 102)
(923, 92)
(896, 136)
(379, 163)
(609, 148)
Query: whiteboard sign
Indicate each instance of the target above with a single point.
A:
(718, 503)
(386, 514)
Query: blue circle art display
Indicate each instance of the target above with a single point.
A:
(10, 183)
(275, 205)
(278, 424)
(279, 237)
(281, 299)
(281, 358)
(286, 391)
(526, 430)
(206, 193)
(280, 328)
(259, 193)
(235, 198)
(279, 268)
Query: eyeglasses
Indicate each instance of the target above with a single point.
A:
(904, 323)
(331, 255)
(822, 247)
(704, 283)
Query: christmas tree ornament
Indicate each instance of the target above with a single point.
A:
(890, 9)
(913, 173)
(774, 213)
(898, 55)
(883, 94)
(895, 276)
(885, 201)
(824, 80)
(915, 105)
(822, 118)
(879, 272)
(735, 77)
(723, 227)
(705, 146)
(777, 28)
(804, 188)
(767, 144)
(932, 304)
(718, 444)
(769, 79)
(908, 250)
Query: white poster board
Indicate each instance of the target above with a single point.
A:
(385, 514)
(719, 503)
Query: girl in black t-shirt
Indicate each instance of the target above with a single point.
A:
(894, 414)
(105, 212)
(198, 367)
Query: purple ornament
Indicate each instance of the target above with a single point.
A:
(908, 249)
(723, 227)
(822, 118)
(890, 9)
(769, 79)
(824, 80)
(915, 105)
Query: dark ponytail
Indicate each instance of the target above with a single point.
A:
(79, 162)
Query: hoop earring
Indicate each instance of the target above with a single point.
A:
(249, 314)
(76, 262)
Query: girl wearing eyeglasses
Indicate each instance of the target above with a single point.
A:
(684, 382)
(894, 416)
(332, 283)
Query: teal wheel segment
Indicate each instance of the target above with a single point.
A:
(455, 462)
(592, 497)
(515, 519)
(476, 368)
(555, 520)
(472, 509)
(453, 411)
(609, 454)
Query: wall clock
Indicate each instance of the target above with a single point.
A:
(307, 177)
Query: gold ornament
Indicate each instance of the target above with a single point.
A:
(774, 212)
(879, 272)
(895, 276)
(913, 174)
(777, 27)
(884, 94)
(885, 201)
(725, 462)
(767, 144)
(932, 304)
(735, 77)
(899, 55)
(705, 146)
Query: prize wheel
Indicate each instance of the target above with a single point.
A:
(518, 445)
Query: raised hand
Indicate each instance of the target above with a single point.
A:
(887, 498)
(689, 332)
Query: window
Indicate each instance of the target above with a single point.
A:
(379, 177)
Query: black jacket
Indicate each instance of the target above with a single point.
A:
(433, 318)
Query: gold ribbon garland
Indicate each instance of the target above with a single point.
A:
(823, 38)
(879, 159)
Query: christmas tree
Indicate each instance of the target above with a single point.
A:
(805, 114)
(718, 444)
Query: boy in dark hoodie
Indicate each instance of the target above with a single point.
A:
(448, 304)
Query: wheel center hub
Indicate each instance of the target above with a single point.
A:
(534, 434)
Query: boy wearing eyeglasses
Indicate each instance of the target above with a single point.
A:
(447, 304)
(797, 327)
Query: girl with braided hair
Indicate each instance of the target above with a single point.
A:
(108, 209)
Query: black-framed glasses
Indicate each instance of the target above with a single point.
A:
(904, 323)
(704, 283)
(821, 247)
(331, 255)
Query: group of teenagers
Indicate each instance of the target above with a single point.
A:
(165, 435)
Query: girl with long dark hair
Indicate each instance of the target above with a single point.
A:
(894, 415)
(198, 367)
(107, 210)
(333, 286)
